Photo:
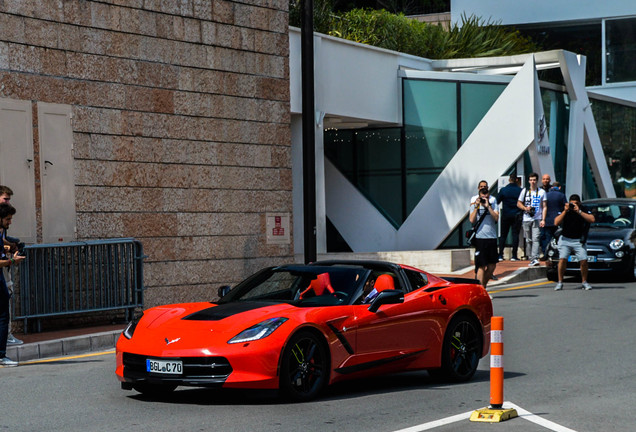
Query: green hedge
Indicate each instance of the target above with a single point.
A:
(474, 37)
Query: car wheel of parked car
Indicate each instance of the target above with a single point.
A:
(304, 367)
(155, 390)
(552, 274)
(631, 271)
(461, 350)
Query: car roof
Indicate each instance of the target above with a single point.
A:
(368, 264)
(618, 201)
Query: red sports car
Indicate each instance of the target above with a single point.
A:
(298, 328)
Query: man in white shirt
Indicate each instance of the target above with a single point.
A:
(531, 201)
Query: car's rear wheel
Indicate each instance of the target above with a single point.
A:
(461, 350)
(304, 367)
(155, 390)
(552, 274)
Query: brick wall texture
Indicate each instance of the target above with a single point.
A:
(181, 126)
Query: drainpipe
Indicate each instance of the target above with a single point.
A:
(309, 134)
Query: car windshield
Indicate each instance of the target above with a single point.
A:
(616, 215)
(301, 285)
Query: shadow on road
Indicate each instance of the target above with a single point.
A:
(386, 384)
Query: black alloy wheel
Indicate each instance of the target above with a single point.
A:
(461, 350)
(304, 367)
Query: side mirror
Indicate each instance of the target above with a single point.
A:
(223, 290)
(386, 297)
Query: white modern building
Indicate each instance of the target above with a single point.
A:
(402, 141)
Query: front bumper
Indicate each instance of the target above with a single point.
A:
(197, 371)
(599, 260)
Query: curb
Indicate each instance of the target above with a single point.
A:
(65, 346)
(522, 275)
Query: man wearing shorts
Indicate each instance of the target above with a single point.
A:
(486, 256)
(575, 222)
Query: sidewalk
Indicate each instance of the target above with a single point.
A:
(94, 339)
(64, 342)
(507, 272)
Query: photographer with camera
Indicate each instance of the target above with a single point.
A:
(575, 222)
(484, 207)
(6, 259)
(531, 201)
(14, 246)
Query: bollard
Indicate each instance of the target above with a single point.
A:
(495, 413)
(496, 363)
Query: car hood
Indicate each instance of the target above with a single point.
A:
(177, 329)
(605, 234)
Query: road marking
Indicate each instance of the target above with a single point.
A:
(438, 423)
(539, 420)
(519, 287)
(523, 414)
(49, 360)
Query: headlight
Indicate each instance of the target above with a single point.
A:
(130, 328)
(616, 244)
(258, 331)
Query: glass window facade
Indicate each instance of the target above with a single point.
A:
(620, 50)
(616, 126)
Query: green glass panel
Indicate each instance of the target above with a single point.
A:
(430, 123)
(476, 100)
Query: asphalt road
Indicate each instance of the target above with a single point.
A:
(569, 361)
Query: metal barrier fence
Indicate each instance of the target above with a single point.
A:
(70, 278)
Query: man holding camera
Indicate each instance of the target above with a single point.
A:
(13, 244)
(575, 222)
(6, 259)
(484, 207)
(531, 202)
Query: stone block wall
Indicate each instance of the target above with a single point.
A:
(181, 126)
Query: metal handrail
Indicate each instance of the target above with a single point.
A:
(59, 279)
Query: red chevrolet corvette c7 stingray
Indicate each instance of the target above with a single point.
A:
(299, 328)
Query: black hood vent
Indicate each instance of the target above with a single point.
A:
(217, 313)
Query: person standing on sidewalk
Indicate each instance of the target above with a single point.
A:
(510, 215)
(575, 221)
(531, 202)
(485, 207)
(5, 197)
(6, 259)
(554, 202)
(545, 183)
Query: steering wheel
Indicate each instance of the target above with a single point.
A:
(340, 295)
(622, 221)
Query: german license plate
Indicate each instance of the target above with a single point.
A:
(170, 367)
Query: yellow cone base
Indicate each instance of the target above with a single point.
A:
(490, 415)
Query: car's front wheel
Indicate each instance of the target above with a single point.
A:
(461, 350)
(631, 268)
(304, 367)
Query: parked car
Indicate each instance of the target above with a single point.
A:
(298, 328)
(609, 248)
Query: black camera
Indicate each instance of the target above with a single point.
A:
(531, 211)
(571, 206)
(20, 247)
(482, 200)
